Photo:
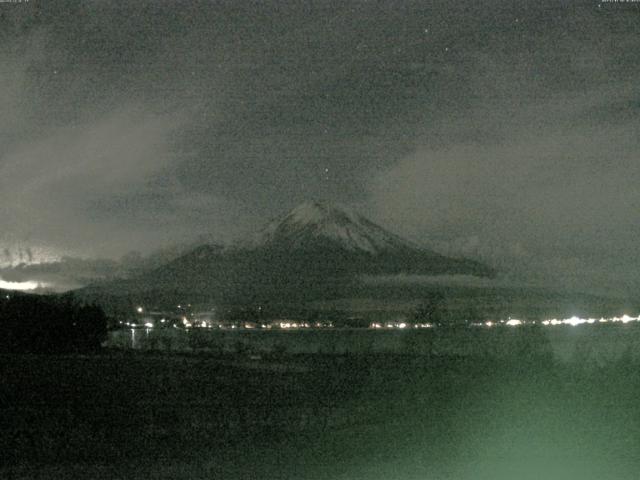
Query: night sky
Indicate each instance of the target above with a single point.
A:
(506, 131)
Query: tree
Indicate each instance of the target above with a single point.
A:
(34, 323)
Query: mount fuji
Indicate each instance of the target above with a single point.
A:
(312, 251)
(315, 223)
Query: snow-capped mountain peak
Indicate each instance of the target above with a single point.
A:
(314, 222)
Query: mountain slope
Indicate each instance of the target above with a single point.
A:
(312, 222)
(329, 238)
(314, 251)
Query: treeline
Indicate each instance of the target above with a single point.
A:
(49, 324)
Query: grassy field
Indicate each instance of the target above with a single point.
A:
(141, 415)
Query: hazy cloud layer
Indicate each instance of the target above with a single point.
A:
(559, 196)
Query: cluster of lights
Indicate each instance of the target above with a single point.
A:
(186, 323)
(136, 325)
(572, 321)
(286, 325)
(400, 325)
(579, 321)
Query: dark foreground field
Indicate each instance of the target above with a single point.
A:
(150, 416)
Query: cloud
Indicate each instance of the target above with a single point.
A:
(95, 134)
(47, 183)
(553, 190)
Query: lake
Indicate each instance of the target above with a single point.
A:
(598, 343)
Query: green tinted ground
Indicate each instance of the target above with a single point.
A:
(131, 415)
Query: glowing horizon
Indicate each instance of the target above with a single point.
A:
(22, 286)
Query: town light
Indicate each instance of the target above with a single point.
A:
(573, 321)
